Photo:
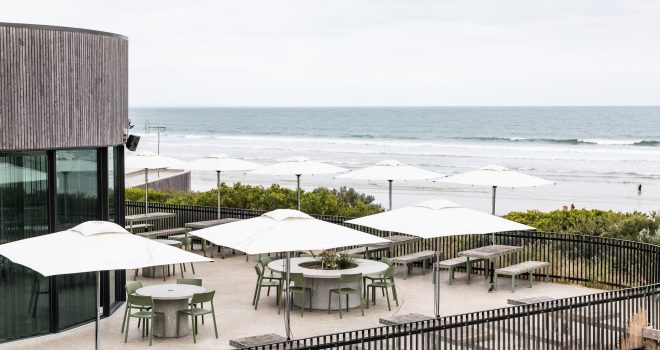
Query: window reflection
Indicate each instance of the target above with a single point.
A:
(24, 294)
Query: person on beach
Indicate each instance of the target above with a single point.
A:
(639, 189)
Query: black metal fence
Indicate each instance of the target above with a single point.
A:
(594, 321)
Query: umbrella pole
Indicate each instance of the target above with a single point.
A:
(436, 271)
(98, 306)
(389, 233)
(493, 212)
(146, 190)
(219, 196)
(298, 186)
(287, 298)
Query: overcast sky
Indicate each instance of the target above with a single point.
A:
(380, 52)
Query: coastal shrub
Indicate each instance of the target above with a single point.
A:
(633, 226)
(340, 202)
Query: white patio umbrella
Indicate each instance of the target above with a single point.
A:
(220, 163)
(149, 160)
(298, 166)
(93, 246)
(390, 171)
(496, 176)
(285, 230)
(438, 218)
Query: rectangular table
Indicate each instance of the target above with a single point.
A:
(198, 225)
(490, 253)
(396, 241)
(131, 219)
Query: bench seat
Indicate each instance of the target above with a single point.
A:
(163, 233)
(527, 267)
(139, 227)
(408, 259)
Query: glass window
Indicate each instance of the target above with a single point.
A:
(77, 201)
(24, 294)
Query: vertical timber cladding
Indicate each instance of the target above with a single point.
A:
(61, 87)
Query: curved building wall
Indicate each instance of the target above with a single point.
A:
(63, 111)
(61, 87)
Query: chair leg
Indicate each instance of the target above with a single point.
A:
(123, 323)
(396, 298)
(193, 320)
(387, 294)
(128, 321)
(256, 302)
(254, 297)
(215, 326)
(151, 333)
(192, 267)
(181, 266)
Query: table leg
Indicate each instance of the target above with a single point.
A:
(469, 270)
(492, 270)
(169, 308)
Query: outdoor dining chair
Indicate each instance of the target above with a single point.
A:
(194, 312)
(146, 314)
(365, 279)
(385, 281)
(265, 282)
(192, 282)
(344, 280)
(131, 288)
(298, 281)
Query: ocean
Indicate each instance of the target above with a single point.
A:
(596, 155)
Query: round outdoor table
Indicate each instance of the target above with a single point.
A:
(168, 299)
(157, 271)
(321, 281)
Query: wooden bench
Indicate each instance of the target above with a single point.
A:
(408, 259)
(451, 264)
(139, 227)
(259, 341)
(529, 300)
(527, 267)
(163, 233)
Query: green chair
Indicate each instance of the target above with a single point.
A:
(386, 281)
(131, 287)
(192, 282)
(194, 312)
(385, 260)
(264, 261)
(345, 290)
(187, 245)
(143, 302)
(262, 282)
(298, 286)
(305, 255)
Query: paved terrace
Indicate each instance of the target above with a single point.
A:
(234, 280)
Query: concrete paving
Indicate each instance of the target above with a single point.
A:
(234, 280)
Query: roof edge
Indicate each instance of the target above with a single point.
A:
(65, 29)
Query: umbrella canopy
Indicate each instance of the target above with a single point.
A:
(390, 170)
(285, 230)
(220, 163)
(298, 166)
(149, 160)
(496, 176)
(92, 246)
(438, 218)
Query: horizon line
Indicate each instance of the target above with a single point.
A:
(390, 106)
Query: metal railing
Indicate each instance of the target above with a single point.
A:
(592, 321)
